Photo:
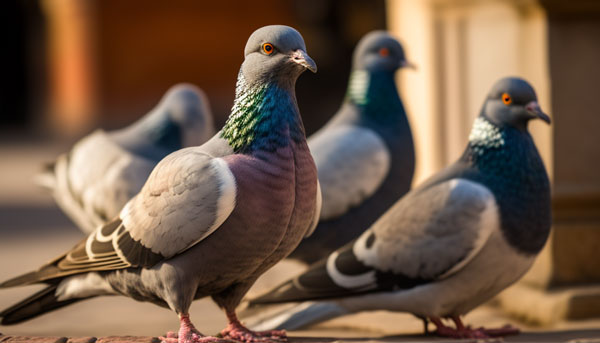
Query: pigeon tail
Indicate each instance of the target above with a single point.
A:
(43, 275)
(299, 316)
(33, 306)
(21, 280)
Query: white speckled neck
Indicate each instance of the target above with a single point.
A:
(358, 86)
(485, 134)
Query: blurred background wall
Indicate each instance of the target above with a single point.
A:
(70, 66)
(90, 63)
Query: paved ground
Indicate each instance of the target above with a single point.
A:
(32, 231)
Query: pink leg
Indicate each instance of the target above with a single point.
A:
(189, 334)
(237, 331)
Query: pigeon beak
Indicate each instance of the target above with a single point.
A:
(407, 64)
(534, 108)
(301, 57)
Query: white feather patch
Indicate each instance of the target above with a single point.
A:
(83, 285)
(364, 254)
(361, 281)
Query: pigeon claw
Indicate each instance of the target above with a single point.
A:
(189, 334)
(193, 338)
(462, 331)
(507, 330)
(237, 331)
(243, 334)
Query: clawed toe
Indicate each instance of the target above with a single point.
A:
(462, 331)
(254, 337)
(506, 330)
(195, 339)
(237, 331)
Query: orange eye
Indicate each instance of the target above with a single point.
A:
(268, 48)
(506, 99)
(384, 52)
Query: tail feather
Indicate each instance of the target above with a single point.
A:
(21, 280)
(48, 273)
(299, 316)
(33, 306)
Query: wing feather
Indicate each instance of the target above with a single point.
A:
(186, 198)
(352, 162)
(428, 235)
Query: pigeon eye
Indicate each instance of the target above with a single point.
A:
(506, 99)
(268, 48)
(384, 52)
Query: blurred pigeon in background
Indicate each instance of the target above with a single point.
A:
(210, 219)
(449, 245)
(92, 182)
(364, 154)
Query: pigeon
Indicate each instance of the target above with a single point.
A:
(210, 219)
(365, 154)
(448, 245)
(94, 180)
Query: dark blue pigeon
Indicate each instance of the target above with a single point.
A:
(449, 245)
(364, 154)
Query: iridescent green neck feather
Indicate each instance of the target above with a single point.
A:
(264, 117)
(375, 93)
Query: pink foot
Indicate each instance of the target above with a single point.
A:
(506, 330)
(467, 332)
(464, 333)
(237, 331)
(189, 334)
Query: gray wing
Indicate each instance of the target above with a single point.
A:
(187, 197)
(352, 162)
(428, 235)
(432, 232)
(96, 179)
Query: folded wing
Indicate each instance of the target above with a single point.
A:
(352, 162)
(186, 198)
(427, 236)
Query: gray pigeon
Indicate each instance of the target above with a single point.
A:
(95, 179)
(210, 219)
(365, 154)
(449, 245)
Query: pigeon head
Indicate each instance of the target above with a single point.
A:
(276, 53)
(186, 109)
(512, 101)
(378, 51)
(181, 119)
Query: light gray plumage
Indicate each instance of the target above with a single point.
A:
(210, 219)
(365, 153)
(94, 180)
(449, 245)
